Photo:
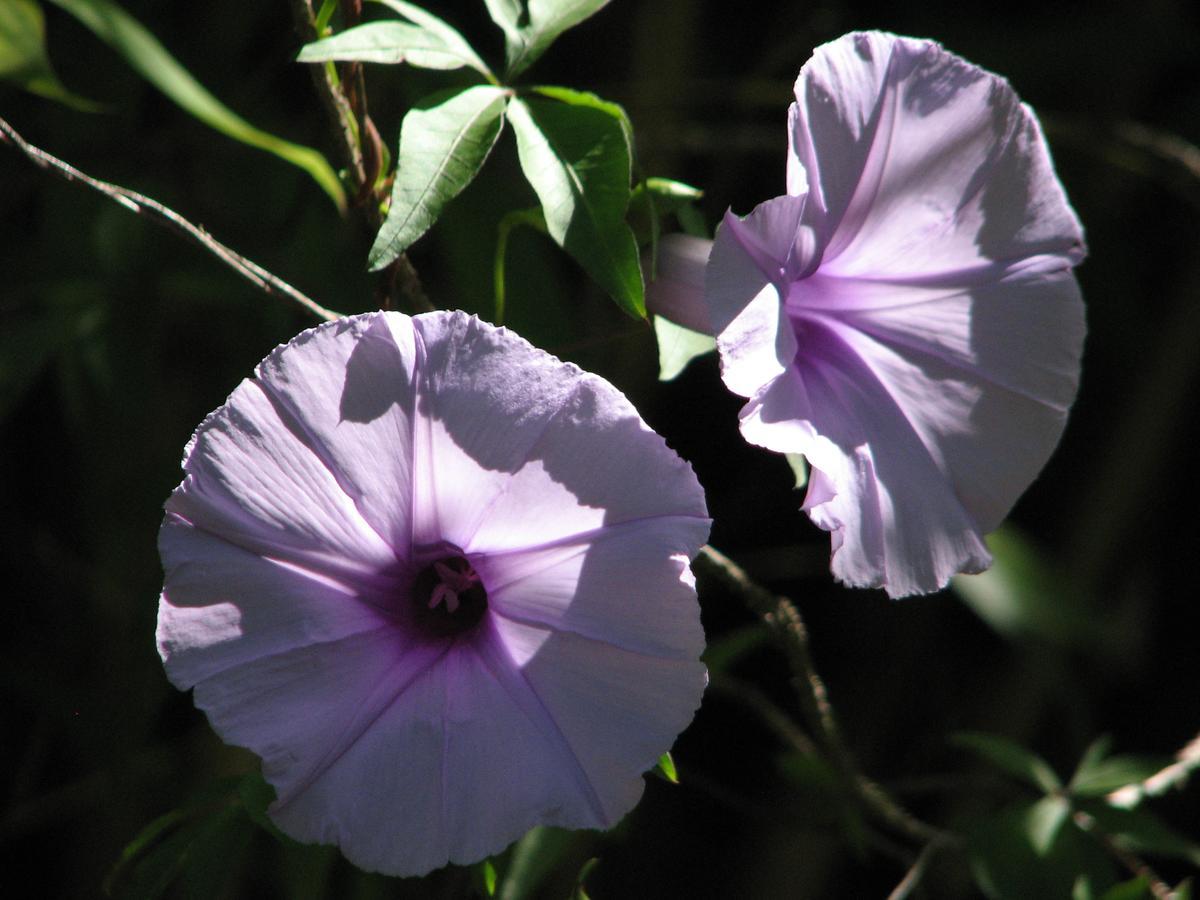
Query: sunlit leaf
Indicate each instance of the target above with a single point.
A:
(454, 42)
(150, 59)
(799, 466)
(530, 28)
(487, 874)
(23, 58)
(678, 346)
(1105, 775)
(443, 143)
(1044, 822)
(386, 42)
(577, 160)
(1010, 757)
(653, 200)
(665, 768)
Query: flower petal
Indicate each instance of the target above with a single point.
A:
(223, 606)
(629, 586)
(920, 164)
(617, 710)
(877, 485)
(517, 449)
(744, 287)
(254, 478)
(348, 387)
(677, 290)
(1015, 349)
(350, 734)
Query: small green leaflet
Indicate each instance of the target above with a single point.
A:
(444, 141)
(544, 22)
(665, 768)
(386, 42)
(454, 42)
(576, 157)
(149, 58)
(23, 58)
(678, 346)
(1012, 758)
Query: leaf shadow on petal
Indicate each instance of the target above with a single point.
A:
(365, 395)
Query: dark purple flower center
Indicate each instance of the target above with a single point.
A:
(448, 597)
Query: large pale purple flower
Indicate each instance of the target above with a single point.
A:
(905, 316)
(439, 581)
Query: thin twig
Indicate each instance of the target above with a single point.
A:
(914, 875)
(786, 624)
(156, 212)
(1131, 861)
(360, 149)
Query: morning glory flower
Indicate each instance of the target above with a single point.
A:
(905, 316)
(439, 581)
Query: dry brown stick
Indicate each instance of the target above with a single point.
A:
(785, 622)
(163, 215)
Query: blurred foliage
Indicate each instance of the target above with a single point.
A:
(116, 339)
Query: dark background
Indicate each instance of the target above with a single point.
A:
(116, 338)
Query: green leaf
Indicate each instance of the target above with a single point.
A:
(723, 652)
(1141, 832)
(799, 466)
(256, 795)
(23, 58)
(454, 42)
(1044, 821)
(1106, 775)
(1010, 757)
(151, 60)
(487, 873)
(1005, 864)
(529, 31)
(385, 42)
(576, 157)
(1134, 889)
(665, 768)
(443, 143)
(678, 346)
(585, 872)
(654, 199)
(533, 859)
(1022, 594)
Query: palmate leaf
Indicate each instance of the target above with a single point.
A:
(23, 58)
(450, 38)
(528, 32)
(444, 141)
(576, 157)
(386, 42)
(149, 58)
